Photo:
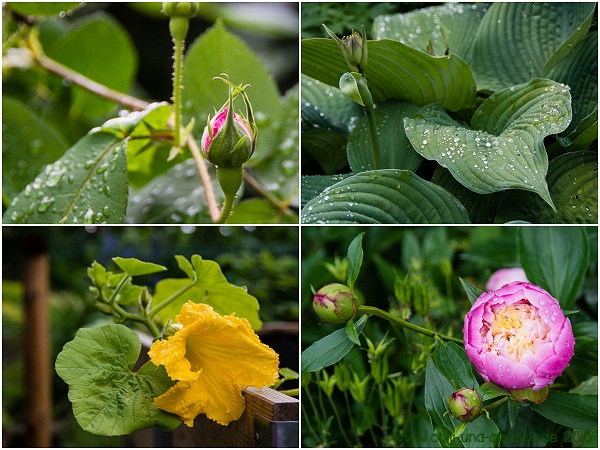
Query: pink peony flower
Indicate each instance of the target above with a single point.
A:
(504, 276)
(518, 337)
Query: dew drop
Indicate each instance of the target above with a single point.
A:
(45, 203)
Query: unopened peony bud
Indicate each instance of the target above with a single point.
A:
(465, 404)
(335, 303)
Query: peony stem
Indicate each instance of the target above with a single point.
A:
(373, 311)
(497, 403)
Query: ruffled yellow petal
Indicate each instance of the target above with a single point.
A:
(215, 357)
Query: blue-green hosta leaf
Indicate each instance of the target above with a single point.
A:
(581, 137)
(505, 148)
(434, 30)
(573, 182)
(515, 41)
(88, 184)
(108, 398)
(328, 148)
(394, 147)
(384, 196)
(313, 185)
(396, 71)
(210, 287)
(579, 71)
(28, 144)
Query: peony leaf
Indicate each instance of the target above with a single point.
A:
(452, 361)
(505, 148)
(384, 196)
(355, 259)
(396, 71)
(330, 349)
(571, 410)
(473, 292)
(556, 259)
(108, 398)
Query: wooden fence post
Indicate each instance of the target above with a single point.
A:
(38, 378)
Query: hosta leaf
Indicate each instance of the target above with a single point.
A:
(394, 147)
(581, 137)
(112, 64)
(28, 144)
(313, 185)
(435, 30)
(505, 150)
(88, 184)
(516, 40)
(482, 207)
(573, 182)
(108, 398)
(328, 148)
(396, 71)
(579, 71)
(384, 196)
(211, 287)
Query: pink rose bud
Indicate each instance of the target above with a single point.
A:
(518, 337)
(229, 142)
(335, 303)
(465, 404)
(504, 276)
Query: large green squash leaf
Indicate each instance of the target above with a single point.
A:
(88, 184)
(384, 196)
(573, 182)
(108, 398)
(396, 71)
(395, 149)
(207, 285)
(505, 148)
(112, 64)
(518, 41)
(28, 144)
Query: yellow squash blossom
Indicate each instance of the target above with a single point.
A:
(213, 358)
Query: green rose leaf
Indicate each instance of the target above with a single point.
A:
(108, 398)
(396, 71)
(505, 149)
(384, 196)
(43, 8)
(27, 148)
(88, 184)
(135, 267)
(208, 286)
(330, 349)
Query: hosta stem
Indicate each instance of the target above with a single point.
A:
(372, 311)
(374, 139)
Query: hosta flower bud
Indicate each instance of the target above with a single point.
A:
(335, 303)
(465, 404)
(228, 140)
(518, 337)
(354, 86)
(353, 48)
(504, 276)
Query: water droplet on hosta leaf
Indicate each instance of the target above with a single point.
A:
(45, 203)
